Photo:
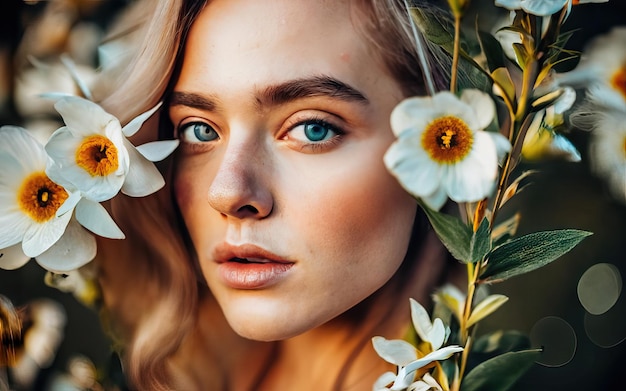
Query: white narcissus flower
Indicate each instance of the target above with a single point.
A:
(92, 155)
(29, 203)
(397, 352)
(607, 147)
(405, 355)
(442, 150)
(542, 7)
(602, 69)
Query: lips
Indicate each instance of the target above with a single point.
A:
(249, 266)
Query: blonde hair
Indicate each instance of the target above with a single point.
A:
(150, 285)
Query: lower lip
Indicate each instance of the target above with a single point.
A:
(252, 275)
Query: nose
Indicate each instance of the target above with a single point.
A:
(240, 188)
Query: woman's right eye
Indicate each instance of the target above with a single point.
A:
(197, 132)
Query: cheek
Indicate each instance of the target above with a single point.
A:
(356, 219)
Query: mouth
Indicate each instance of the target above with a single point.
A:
(245, 254)
(248, 260)
(249, 267)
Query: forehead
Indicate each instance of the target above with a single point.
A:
(248, 41)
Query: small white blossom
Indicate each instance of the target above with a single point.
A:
(442, 150)
(607, 147)
(406, 356)
(541, 7)
(29, 204)
(602, 69)
(92, 157)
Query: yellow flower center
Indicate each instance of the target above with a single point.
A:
(97, 155)
(40, 198)
(618, 81)
(447, 140)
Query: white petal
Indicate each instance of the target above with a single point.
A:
(436, 200)
(565, 101)
(39, 237)
(143, 177)
(13, 226)
(157, 150)
(561, 146)
(509, 4)
(483, 106)
(543, 7)
(19, 148)
(503, 146)
(605, 96)
(13, 257)
(62, 145)
(83, 116)
(470, 182)
(437, 355)
(95, 218)
(412, 113)
(133, 126)
(69, 204)
(437, 334)
(415, 171)
(419, 386)
(421, 320)
(394, 351)
(76, 248)
(381, 383)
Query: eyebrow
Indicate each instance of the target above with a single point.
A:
(274, 95)
(310, 87)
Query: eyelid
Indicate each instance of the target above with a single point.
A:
(313, 147)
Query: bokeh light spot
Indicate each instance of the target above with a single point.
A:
(599, 288)
(557, 338)
(608, 329)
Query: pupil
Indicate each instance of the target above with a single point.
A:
(204, 132)
(315, 132)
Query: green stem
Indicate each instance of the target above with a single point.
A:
(455, 53)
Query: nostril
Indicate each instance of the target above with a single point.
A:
(248, 209)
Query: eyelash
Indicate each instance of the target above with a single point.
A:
(320, 146)
(306, 147)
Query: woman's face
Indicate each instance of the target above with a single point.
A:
(283, 113)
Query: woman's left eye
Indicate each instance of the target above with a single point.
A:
(313, 131)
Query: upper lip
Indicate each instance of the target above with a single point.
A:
(226, 252)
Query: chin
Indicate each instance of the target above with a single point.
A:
(275, 322)
(266, 331)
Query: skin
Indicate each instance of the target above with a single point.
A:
(329, 207)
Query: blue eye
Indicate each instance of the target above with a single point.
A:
(198, 132)
(313, 131)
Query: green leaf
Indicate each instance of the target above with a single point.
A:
(492, 49)
(452, 232)
(485, 308)
(506, 229)
(500, 372)
(501, 341)
(521, 54)
(530, 252)
(480, 243)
